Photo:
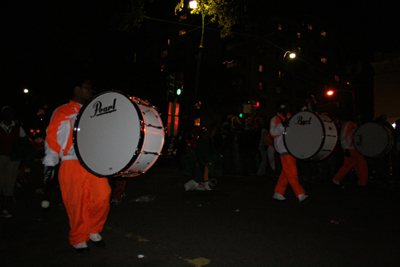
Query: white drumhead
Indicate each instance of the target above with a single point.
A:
(372, 139)
(107, 133)
(304, 136)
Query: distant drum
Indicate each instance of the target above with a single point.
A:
(117, 136)
(310, 136)
(373, 140)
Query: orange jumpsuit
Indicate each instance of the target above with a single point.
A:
(86, 197)
(289, 168)
(356, 160)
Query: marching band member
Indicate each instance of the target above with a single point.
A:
(86, 197)
(289, 169)
(352, 158)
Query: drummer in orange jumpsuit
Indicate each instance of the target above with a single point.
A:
(86, 197)
(289, 169)
(352, 159)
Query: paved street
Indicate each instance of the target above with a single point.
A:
(236, 224)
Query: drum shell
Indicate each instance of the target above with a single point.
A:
(310, 136)
(153, 142)
(373, 140)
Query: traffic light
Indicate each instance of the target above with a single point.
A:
(175, 83)
(179, 83)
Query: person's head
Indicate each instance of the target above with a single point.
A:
(383, 117)
(7, 113)
(204, 134)
(283, 108)
(82, 91)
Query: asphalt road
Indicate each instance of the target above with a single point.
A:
(236, 224)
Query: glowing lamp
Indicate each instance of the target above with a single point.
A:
(193, 4)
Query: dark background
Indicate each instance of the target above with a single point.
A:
(46, 44)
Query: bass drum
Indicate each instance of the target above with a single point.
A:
(373, 140)
(310, 136)
(117, 136)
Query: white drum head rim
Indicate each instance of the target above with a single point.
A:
(133, 154)
(322, 139)
(383, 150)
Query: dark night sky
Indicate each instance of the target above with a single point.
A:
(38, 43)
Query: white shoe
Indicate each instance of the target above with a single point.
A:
(302, 197)
(191, 185)
(81, 245)
(95, 237)
(5, 214)
(207, 186)
(200, 187)
(335, 182)
(278, 196)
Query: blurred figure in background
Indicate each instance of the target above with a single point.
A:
(352, 158)
(10, 133)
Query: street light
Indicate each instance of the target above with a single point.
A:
(193, 5)
(291, 56)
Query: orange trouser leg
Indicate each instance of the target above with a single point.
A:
(361, 168)
(356, 161)
(289, 175)
(86, 198)
(206, 173)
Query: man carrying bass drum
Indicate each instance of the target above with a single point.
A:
(289, 169)
(86, 197)
(352, 158)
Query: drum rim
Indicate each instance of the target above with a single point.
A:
(75, 138)
(323, 136)
(388, 134)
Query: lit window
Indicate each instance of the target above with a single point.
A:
(298, 35)
(183, 17)
(280, 74)
(162, 67)
(182, 32)
(280, 27)
(299, 50)
(164, 53)
(260, 85)
(309, 26)
(323, 33)
(197, 122)
(324, 60)
(169, 41)
(336, 78)
(278, 89)
(260, 68)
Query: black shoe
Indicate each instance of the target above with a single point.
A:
(99, 243)
(82, 251)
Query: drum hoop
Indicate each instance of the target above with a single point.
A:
(388, 134)
(75, 137)
(323, 137)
